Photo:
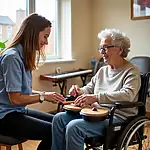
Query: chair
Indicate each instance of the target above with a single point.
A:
(133, 133)
(143, 62)
(8, 142)
(99, 63)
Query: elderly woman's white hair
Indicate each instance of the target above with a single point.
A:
(117, 38)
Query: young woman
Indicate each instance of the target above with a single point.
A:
(16, 64)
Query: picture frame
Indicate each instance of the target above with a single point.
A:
(140, 9)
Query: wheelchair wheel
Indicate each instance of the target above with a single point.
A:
(136, 135)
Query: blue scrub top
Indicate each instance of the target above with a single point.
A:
(13, 78)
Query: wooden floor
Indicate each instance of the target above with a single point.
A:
(29, 145)
(32, 145)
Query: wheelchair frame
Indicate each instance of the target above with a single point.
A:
(133, 126)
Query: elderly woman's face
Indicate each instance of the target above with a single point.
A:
(109, 51)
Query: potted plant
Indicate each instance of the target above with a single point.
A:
(2, 45)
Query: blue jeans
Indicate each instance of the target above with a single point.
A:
(70, 130)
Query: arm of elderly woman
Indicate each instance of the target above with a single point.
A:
(109, 86)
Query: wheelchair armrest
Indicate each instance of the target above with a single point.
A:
(125, 104)
(108, 105)
(122, 104)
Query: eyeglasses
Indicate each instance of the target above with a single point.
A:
(105, 48)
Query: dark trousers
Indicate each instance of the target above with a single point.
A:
(34, 125)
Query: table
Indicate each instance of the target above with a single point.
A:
(61, 78)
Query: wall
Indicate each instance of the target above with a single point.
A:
(88, 18)
(116, 14)
(81, 51)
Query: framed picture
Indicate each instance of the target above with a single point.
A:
(140, 9)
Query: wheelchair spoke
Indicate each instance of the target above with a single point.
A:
(145, 138)
(136, 136)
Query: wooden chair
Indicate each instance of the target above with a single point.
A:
(8, 142)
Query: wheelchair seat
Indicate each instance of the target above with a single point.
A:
(133, 133)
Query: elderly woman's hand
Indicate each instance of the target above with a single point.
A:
(53, 97)
(74, 90)
(85, 99)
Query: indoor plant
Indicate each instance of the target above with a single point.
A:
(2, 45)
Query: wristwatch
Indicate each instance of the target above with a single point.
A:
(41, 97)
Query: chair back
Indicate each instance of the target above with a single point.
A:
(142, 62)
(143, 92)
(99, 63)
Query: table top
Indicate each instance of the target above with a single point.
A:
(66, 75)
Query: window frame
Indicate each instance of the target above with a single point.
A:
(0, 33)
(61, 40)
(9, 31)
(0, 29)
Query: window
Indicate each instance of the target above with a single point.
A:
(0, 29)
(0, 37)
(0, 33)
(9, 32)
(11, 18)
(47, 8)
(57, 11)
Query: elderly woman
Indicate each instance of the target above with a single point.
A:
(119, 80)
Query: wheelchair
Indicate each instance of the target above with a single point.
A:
(133, 133)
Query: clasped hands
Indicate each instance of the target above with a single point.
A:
(82, 99)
